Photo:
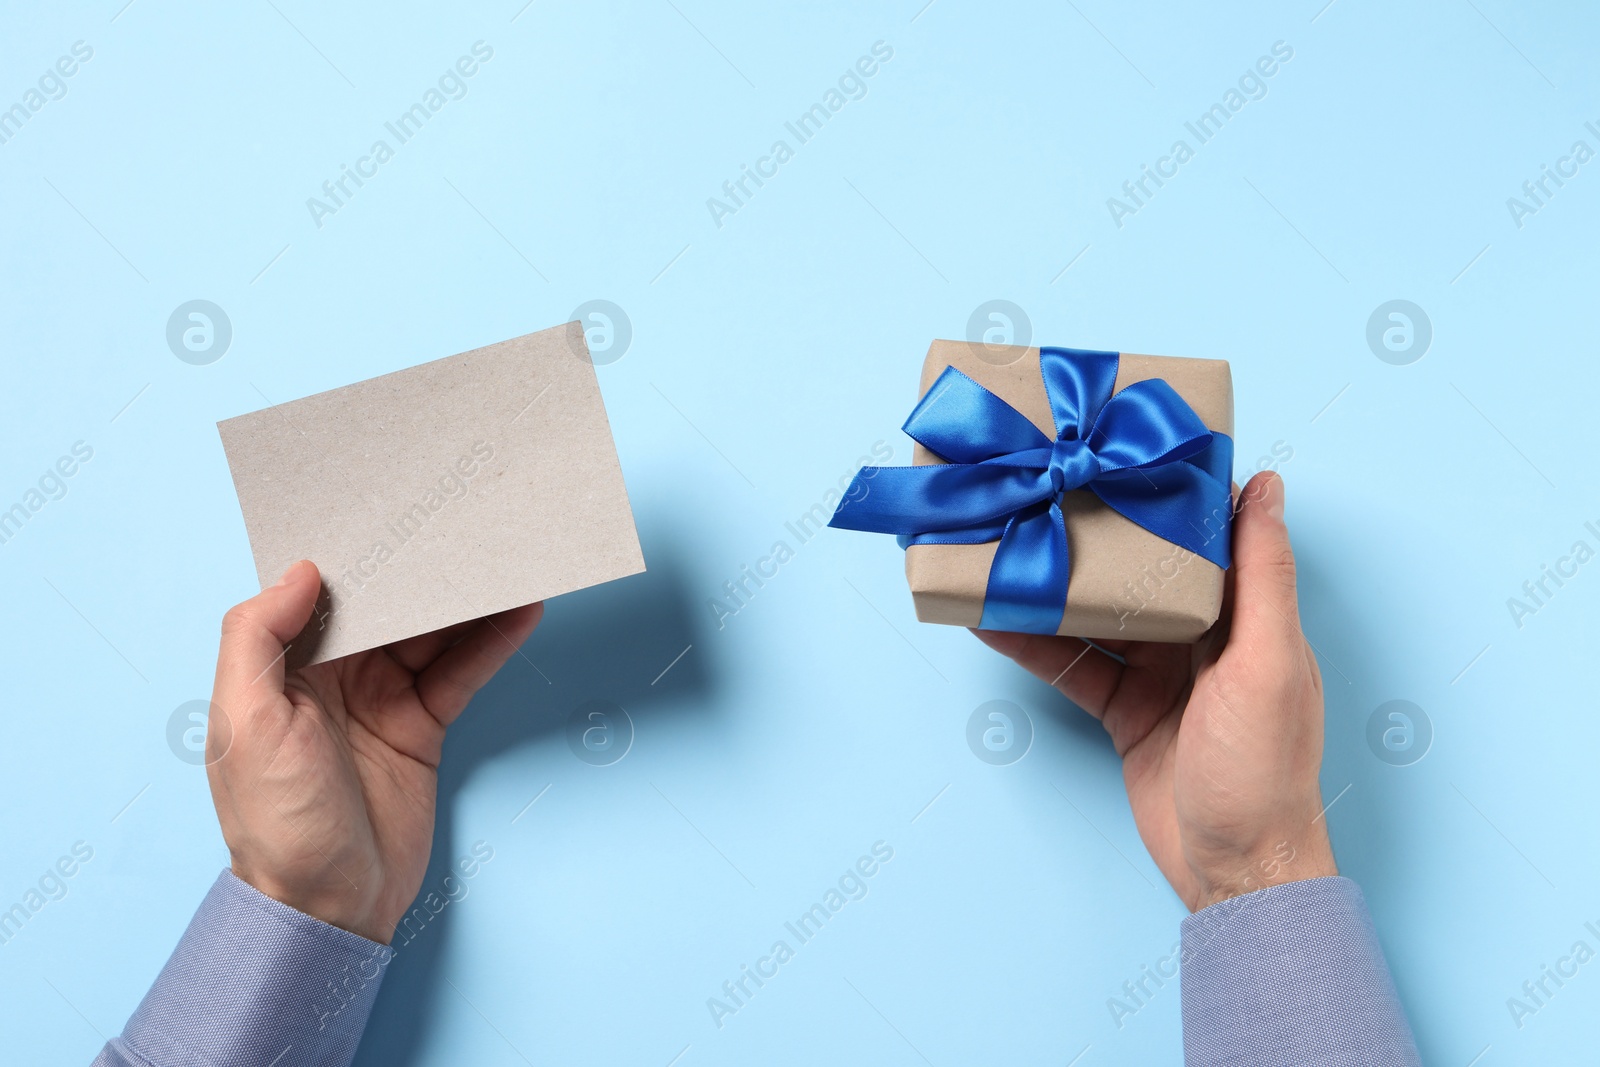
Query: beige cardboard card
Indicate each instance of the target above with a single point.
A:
(438, 494)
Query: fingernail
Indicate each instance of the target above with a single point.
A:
(1274, 499)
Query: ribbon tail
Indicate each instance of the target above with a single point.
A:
(1027, 590)
(1216, 459)
(935, 497)
(1184, 503)
(981, 534)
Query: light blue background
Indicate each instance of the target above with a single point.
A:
(768, 356)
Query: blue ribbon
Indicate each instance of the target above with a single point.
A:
(1143, 452)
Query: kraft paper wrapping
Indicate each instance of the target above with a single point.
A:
(1126, 583)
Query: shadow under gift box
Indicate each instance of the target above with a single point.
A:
(1126, 583)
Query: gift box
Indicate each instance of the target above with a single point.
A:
(1061, 491)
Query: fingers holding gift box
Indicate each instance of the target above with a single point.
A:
(1062, 491)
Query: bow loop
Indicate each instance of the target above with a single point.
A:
(1147, 425)
(962, 422)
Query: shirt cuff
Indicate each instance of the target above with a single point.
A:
(1292, 974)
(254, 982)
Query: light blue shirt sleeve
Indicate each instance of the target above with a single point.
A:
(254, 982)
(1290, 975)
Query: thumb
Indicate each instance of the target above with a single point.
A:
(1265, 608)
(255, 632)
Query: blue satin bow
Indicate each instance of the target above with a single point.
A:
(1143, 452)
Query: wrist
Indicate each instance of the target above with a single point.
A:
(1282, 861)
(334, 908)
